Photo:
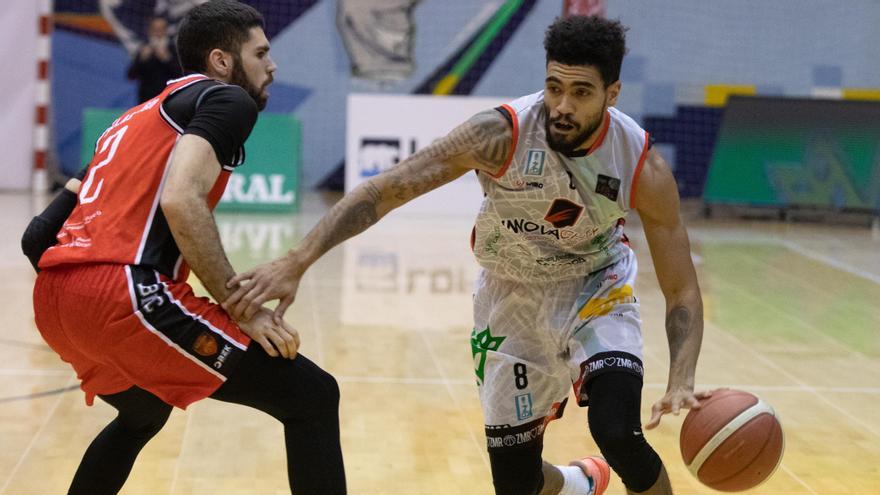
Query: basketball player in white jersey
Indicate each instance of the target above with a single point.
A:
(554, 305)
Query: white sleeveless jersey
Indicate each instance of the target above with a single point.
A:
(547, 216)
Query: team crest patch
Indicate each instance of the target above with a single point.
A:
(205, 344)
(535, 163)
(563, 213)
(608, 186)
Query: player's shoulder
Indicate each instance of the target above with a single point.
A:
(227, 94)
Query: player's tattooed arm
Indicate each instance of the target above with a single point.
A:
(483, 142)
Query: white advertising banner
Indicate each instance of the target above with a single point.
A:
(409, 273)
(18, 64)
(383, 130)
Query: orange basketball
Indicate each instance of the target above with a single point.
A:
(733, 442)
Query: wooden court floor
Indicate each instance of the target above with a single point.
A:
(792, 314)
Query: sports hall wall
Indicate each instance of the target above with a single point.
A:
(684, 57)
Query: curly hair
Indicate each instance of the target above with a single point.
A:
(223, 24)
(582, 40)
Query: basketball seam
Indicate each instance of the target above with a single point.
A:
(724, 433)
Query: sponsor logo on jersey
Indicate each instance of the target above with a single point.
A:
(523, 406)
(205, 344)
(561, 260)
(534, 230)
(521, 184)
(563, 213)
(534, 163)
(608, 186)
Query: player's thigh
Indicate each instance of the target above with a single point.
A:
(605, 332)
(286, 389)
(517, 363)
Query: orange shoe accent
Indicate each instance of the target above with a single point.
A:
(597, 469)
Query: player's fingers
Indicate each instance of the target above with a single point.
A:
(278, 341)
(693, 402)
(704, 394)
(241, 277)
(233, 299)
(654, 421)
(294, 342)
(656, 413)
(270, 350)
(239, 309)
(675, 407)
(282, 308)
(255, 305)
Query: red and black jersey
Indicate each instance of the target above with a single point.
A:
(117, 218)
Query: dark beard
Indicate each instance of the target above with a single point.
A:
(239, 78)
(567, 146)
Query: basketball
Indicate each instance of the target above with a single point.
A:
(733, 442)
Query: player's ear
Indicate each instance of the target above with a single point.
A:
(219, 64)
(612, 92)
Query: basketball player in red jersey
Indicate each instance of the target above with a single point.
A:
(112, 299)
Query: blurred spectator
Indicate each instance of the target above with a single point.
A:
(155, 61)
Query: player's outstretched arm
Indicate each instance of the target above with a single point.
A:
(483, 142)
(657, 202)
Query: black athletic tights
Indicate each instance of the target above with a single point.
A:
(298, 393)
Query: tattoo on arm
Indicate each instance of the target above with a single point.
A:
(356, 218)
(486, 137)
(678, 325)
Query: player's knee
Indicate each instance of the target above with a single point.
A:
(615, 400)
(320, 389)
(329, 396)
(145, 423)
(628, 454)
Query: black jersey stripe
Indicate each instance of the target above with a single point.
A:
(188, 333)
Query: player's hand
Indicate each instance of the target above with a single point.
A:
(676, 399)
(275, 338)
(278, 279)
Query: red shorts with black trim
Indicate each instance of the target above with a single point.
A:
(125, 325)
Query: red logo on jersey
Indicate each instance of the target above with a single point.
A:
(563, 213)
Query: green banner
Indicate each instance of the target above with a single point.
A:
(791, 152)
(268, 180)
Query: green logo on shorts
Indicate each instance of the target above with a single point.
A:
(481, 343)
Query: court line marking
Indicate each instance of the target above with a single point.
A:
(481, 448)
(37, 395)
(792, 317)
(177, 461)
(773, 364)
(797, 478)
(28, 345)
(33, 441)
(34, 372)
(652, 385)
(807, 388)
(830, 261)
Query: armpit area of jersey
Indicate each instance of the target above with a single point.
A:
(224, 115)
